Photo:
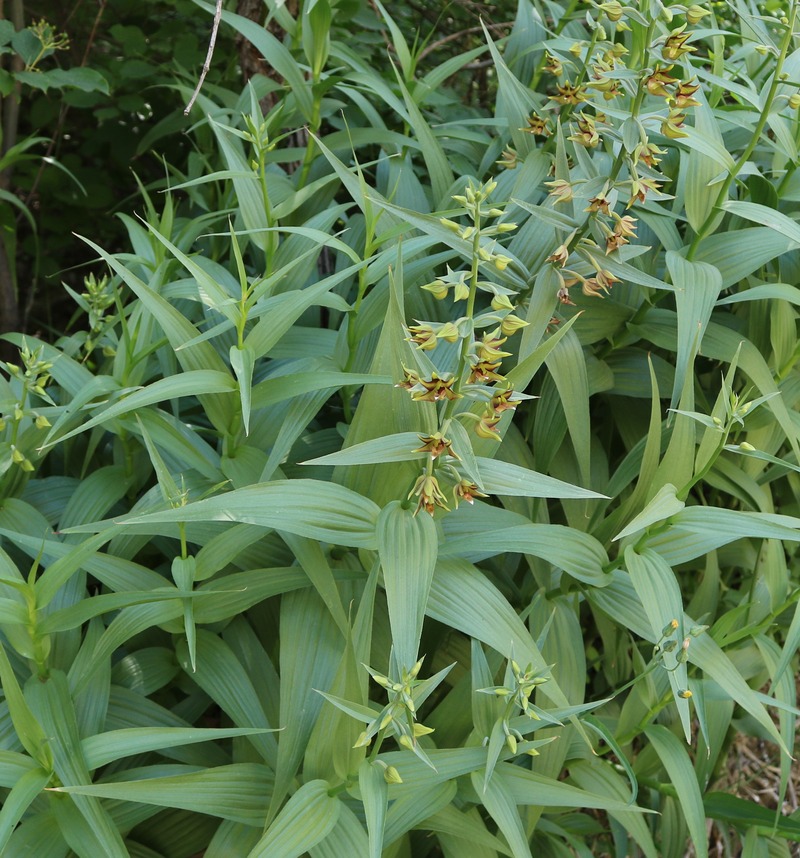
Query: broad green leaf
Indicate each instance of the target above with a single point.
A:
(785, 226)
(663, 505)
(29, 731)
(658, 588)
(224, 678)
(374, 795)
(104, 748)
(307, 507)
(501, 806)
(577, 553)
(238, 791)
(399, 447)
(407, 546)
(305, 820)
(311, 650)
(742, 814)
(52, 705)
(697, 287)
(18, 800)
(681, 773)
(242, 360)
(504, 478)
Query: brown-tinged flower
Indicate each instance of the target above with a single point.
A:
(625, 225)
(566, 93)
(489, 346)
(486, 427)
(560, 190)
(606, 279)
(436, 444)
(511, 324)
(423, 336)
(559, 256)
(466, 490)
(410, 379)
(675, 46)
(429, 495)
(648, 154)
(639, 189)
(485, 372)
(599, 203)
(658, 81)
(683, 95)
(591, 288)
(586, 135)
(672, 124)
(563, 296)
(435, 389)
(553, 65)
(505, 400)
(538, 126)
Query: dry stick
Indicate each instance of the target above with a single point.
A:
(209, 55)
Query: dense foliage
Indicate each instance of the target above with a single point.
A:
(422, 480)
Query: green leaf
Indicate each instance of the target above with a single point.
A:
(658, 588)
(390, 448)
(681, 773)
(242, 361)
(29, 731)
(504, 478)
(375, 797)
(697, 287)
(22, 794)
(307, 507)
(785, 226)
(407, 547)
(104, 748)
(237, 791)
(306, 819)
(663, 505)
(742, 814)
(499, 802)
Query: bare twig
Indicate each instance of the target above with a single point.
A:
(453, 36)
(209, 55)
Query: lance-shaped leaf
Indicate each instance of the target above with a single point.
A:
(504, 478)
(680, 771)
(407, 546)
(305, 820)
(238, 791)
(320, 510)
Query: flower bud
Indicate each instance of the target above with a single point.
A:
(511, 324)
(511, 742)
(41, 422)
(794, 101)
(748, 448)
(501, 302)
(406, 742)
(501, 262)
(422, 730)
(685, 693)
(391, 775)
(613, 10)
(695, 14)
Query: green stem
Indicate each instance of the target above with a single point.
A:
(707, 224)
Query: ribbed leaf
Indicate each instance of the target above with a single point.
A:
(306, 507)
(407, 547)
(237, 792)
(308, 817)
(681, 773)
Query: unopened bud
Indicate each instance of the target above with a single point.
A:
(406, 742)
(685, 693)
(511, 742)
(391, 775)
(748, 448)
(695, 14)
(422, 730)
